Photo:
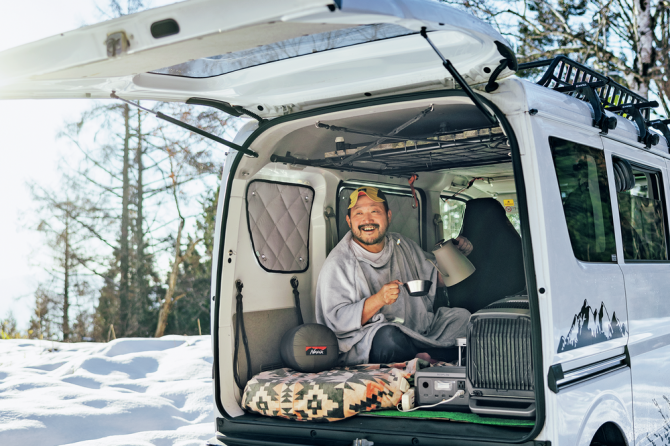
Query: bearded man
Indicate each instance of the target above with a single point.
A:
(359, 293)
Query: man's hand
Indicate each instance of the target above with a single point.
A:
(389, 292)
(464, 245)
(386, 296)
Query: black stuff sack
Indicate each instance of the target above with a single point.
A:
(309, 348)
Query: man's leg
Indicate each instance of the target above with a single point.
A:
(447, 354)
(391, 345)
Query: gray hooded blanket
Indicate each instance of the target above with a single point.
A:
(346, 281)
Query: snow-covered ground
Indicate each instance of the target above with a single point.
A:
(130, 392)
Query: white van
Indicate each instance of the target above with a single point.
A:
(583, 348)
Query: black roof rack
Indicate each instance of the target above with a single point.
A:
(602, 92)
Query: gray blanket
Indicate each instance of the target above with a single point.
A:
(346, 281)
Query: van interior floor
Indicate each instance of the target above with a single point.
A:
(462, 417)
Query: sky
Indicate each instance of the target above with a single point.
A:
(29, 145)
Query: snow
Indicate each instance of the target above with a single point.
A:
(130, 392)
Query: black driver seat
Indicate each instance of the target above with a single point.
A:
(497, 257)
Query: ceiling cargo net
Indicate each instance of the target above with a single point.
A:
(399, 143)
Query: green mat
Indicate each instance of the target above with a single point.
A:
(462, 417)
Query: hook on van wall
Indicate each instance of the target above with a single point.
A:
(411, 181)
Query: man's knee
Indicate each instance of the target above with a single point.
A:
(390, 344)
(392, 334)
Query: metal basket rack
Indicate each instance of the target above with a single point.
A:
(604, 94)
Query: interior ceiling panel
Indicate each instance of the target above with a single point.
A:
(314, 142)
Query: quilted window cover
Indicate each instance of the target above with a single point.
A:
(331, 395)
(278, 215)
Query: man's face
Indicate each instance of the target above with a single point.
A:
(368, 221)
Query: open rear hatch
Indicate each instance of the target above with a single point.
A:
(271, 57)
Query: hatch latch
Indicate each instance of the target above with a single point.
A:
(117, 44)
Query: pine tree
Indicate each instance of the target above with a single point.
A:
(194, 280)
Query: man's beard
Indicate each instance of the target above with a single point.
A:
(379, 238)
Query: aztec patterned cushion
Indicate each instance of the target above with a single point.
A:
(331, 395)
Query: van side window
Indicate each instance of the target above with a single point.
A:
(642, 213)
(452, 211)
(582, 180)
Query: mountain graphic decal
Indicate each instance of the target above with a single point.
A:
(591, 326)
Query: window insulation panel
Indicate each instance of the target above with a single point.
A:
(278, 217)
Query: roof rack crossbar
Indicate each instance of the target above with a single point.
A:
(634, 110)
(603, 93)
(588, 91)
(662, 126)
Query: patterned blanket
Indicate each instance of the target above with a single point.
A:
(331, 395)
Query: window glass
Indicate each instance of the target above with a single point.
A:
(286, 49)
(642, 216)
(452, 217)
(452, 212)
(582, 180)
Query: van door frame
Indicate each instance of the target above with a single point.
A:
(531, 284)
(640, 344)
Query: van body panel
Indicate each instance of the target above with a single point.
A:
(511, 97)
(647, 285)
(77, 65)
(588, 404)
(586, 407)
(597, 283)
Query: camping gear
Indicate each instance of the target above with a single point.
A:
(435, 384)
(500, 380)
(330, 395)
(417, 288)
(309, 348)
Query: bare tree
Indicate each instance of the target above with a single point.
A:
(626, 39)
(68, 219)
(139, 163)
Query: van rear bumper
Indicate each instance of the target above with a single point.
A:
(257, 431)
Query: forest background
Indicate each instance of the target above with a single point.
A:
(129, 229)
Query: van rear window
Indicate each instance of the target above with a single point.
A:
(582, 180)
(286, 49)
(642, 216)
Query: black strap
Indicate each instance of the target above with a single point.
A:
(240, 327)
(296, 296)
